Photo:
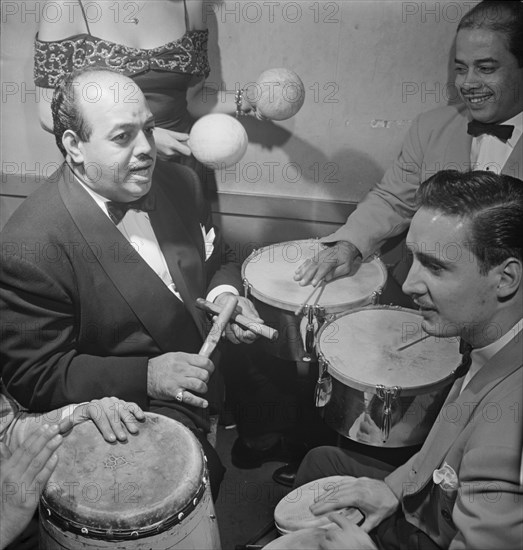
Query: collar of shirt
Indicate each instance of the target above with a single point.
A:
(480, 356)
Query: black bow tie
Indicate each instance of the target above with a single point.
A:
(501, 131)
(465, 349)
(117, 210)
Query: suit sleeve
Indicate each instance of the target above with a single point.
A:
(387, 209)
(42, 366)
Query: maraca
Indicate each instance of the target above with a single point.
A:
(218, 140)
(278, 94)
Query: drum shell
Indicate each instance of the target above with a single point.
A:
(151, 491)
(347, 405)
(361, 377)
(198, 531)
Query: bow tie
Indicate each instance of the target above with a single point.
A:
(465, 349)
(501, 131)
(117, 210)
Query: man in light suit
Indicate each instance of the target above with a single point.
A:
(489, 79)
(462, 490)
(98, 299)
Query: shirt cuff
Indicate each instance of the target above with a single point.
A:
(215, 292)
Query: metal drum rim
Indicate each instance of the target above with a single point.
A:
(358, 384)
(331, 309)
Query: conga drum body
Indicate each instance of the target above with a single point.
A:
(151, 492)
(379, 395)
(268, 278)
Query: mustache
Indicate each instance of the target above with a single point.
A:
(144, 161)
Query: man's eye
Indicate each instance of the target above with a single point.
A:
(458, 69)
(487, 70)
(120, 137)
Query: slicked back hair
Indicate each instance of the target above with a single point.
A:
(491, 203)
(504, 17)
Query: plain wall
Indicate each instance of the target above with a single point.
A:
(368, 68)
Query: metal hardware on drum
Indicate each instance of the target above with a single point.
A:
(370, 392)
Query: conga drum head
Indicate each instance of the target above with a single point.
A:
(361, 348)
(269, 273)
(293, 513)
(125, 489)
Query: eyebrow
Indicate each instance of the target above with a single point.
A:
(478, 61)
(129, 125)
(426, 259)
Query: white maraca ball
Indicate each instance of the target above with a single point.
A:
(279, 94)
(218, 140)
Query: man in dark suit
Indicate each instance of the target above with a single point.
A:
(482, 133)
(463, 489)
(98, 298)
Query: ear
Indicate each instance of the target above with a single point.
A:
(510, 277)
(72, 145)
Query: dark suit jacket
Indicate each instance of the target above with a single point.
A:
(81, 311)
(478, 434)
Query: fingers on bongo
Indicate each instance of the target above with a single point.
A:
(190, 399)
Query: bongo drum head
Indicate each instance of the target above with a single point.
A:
(112, 487)
(293, 513)
(306, 539)
(361, 348)
(270, 273)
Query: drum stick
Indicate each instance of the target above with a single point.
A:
(412, 342)
(242, 320)
(320, 287)
(218, 326)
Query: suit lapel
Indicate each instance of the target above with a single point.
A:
(513, 165)
(182, 248)
(117, 257)
(462, 406)
(457, 151)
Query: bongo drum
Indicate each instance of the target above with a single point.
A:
(268, 277)
(374, 393)
(292, 513)
(149, 492)
(305, 539)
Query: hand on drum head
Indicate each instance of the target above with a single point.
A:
(345, 534)
(23, 475)
(178, 376)
(373, 497)
(233, 332)
(331, 262)
(112, 416)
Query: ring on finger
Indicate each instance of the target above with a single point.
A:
(179, 396)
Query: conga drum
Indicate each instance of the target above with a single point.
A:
(268, 278)
(151, 492)
(375, 393)
(293, 513)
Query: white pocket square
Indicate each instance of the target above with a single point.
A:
(445, 477)
(208, 239)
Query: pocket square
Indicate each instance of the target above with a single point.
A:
(208, 239)
(445, 477)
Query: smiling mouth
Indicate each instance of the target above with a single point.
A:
(478, 99)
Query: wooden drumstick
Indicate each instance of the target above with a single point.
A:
(218, 326)
(412, 342)
(242, 320)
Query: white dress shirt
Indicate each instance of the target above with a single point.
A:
(491, 153)
(137, 229)
(480, 356)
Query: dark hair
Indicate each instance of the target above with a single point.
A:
(493, 204)
(504, 17)
(67, 115)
